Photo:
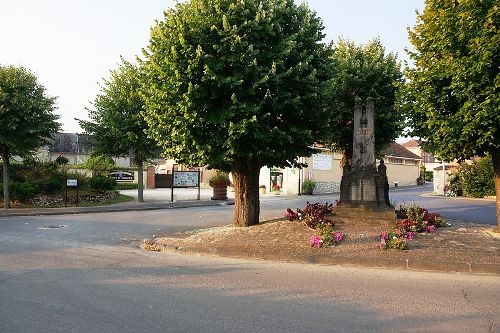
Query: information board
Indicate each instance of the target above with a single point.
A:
(322, 162)
(186, 178)
(72, 182)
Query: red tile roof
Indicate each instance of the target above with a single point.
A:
(397, 150)
(412, 144)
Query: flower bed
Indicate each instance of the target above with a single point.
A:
(316, 216)
(415, 220)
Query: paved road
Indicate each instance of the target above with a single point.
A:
(470, 210)
(89, 276)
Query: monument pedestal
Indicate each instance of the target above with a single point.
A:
(365, 212)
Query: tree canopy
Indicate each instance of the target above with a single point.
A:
(27, 117)
(452, 95)
(364, 71)
(117, 125)
(236, 85)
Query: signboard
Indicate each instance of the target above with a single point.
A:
(186, 178)
(72, 182)
(122, 175)
(322, 162)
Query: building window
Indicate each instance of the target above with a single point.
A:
(410, 162)
(395, 160)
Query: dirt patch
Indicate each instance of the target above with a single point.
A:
(461, 247)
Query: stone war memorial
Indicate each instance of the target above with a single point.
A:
(364, 189)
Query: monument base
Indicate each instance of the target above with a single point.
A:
(365, 212)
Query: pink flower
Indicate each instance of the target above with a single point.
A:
(410, 235)
(338, 236)
(431, 228)
(315, 241)
(384, 237)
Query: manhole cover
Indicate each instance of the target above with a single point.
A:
(50, 227)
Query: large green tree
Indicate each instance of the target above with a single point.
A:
(236, 85)
(117, 125)
(364, 71)
(27, 117)
(452, 94)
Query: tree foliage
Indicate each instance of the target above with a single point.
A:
(235, 85)
(27, 116)
(117, 125)
(452, 95)
(364, 71)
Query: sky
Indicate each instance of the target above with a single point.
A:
(71, 45)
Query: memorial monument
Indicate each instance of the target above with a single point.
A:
(364, 189)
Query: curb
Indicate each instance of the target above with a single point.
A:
(458, 267)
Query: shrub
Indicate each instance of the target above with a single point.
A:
(99, 164)
(20, 191)
(221, 179)
(126, 186)
(477, 179)
(102, 183)
(308, 186)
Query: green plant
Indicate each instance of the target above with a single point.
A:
(477, 179)
(21, 191)
(99, 164)
(308, 186)
(221, 179)
(126, 186)
(393, 240)
(429, 175)
(102, 183)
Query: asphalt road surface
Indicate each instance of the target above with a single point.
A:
(89, 276)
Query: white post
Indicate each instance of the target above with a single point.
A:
(444, 178)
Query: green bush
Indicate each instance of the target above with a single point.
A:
(477, 179)
(308, 186)
(20, 191)
(126, 186)
(429, 175)
(221, 179)
(102, 183)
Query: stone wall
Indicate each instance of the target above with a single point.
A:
(326, 187)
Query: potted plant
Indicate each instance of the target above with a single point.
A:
(219, 183)
(308, 186)
(262, 189)
(276, 189)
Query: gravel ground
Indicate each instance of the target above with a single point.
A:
(460, 247)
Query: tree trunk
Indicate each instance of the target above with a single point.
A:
(246, 192)
(140, 181)
(6, 196)
(496, 166)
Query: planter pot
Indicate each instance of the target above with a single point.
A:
(220, 193)
(262, 190)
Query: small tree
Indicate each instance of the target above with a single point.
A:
(99, 165)
(236, 85)
(27, 117)
(452, 96)
(364, 71)
(117, 125)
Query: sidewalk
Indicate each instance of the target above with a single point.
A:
(461, 247)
